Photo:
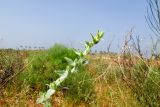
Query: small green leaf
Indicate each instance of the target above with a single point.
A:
(41, 99)
(59, 72)
(49, 93)
(70, 61)
(52, 85)
(47, 104)
(61, 78)
(80, 54)
(92, 36)
(86, 51)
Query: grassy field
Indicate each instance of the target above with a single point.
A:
(109, 80)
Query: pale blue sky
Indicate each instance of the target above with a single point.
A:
(45, 22)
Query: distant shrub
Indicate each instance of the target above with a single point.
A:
(43, 66)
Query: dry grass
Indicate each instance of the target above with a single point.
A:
(110, 87)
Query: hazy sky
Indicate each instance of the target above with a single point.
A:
(45, 22)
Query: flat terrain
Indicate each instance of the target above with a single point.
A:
(109, 80)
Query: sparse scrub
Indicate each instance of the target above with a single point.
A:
(109, 87)
(11, 62)
(146, 84)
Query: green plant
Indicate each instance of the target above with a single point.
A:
(72, 67)
(43, 65)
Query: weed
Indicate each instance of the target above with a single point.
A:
(72, 67)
